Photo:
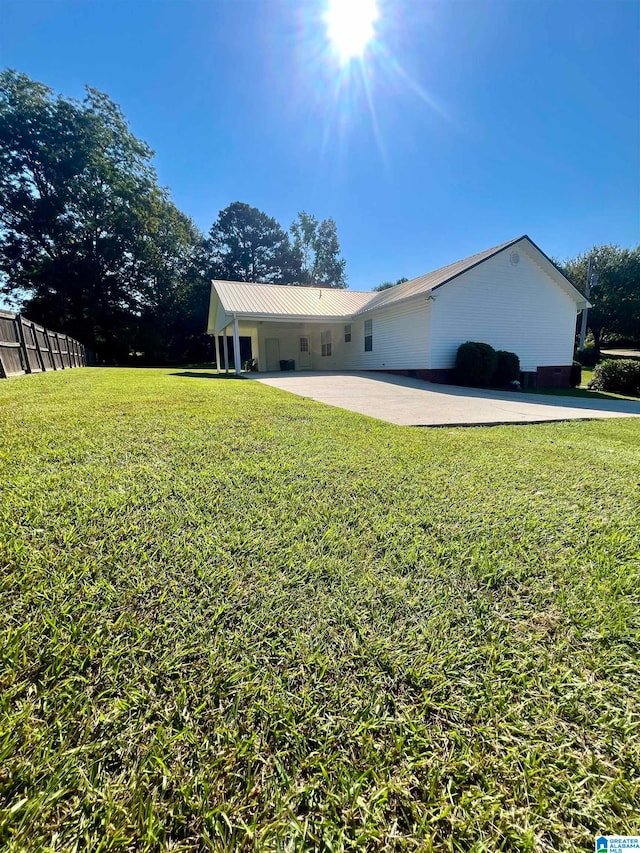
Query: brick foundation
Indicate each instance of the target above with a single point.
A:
(442, 375)
(553, 377)
(543, 377)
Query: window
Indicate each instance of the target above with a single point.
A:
(304, 344)
(368, 335)
(347, 333)
(325, 342)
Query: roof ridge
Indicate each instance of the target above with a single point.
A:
(275, 284)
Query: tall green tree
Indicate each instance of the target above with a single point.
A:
(245, 244)
(616, 298)
(173, 319)
(89, 243)
(318, 250)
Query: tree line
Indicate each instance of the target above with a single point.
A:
(92, 245)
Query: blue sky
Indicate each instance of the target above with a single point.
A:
(479, 121)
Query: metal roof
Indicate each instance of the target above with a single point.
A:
(275, 300)
(237, 297)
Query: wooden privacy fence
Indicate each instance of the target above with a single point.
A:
(26, 347)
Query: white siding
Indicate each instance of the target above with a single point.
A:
(400, 338)
(516, 308)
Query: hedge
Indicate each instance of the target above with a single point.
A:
(508, 368)
(475, 363)
(618, 376)
(575, 379)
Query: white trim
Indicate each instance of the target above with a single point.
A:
(236, 346)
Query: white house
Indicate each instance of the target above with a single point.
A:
(511, 296)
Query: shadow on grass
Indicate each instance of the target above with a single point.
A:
(203, 374)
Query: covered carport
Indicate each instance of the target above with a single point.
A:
(299, 325)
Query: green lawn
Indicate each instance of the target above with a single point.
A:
(237, 620)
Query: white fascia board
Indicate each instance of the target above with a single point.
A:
(554, 273)
(218, 317)
(295, 318)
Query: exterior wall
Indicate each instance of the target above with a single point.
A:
(517, 308)
(400, 340)
(288, 334)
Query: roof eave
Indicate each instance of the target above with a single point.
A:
(579, 296)
(430, 290)
(290, 318)
(482, 261)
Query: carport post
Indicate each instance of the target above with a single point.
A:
(236, 345)
(226, 350)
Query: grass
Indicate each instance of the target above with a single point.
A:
(237, 620)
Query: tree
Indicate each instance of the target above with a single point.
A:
(89, 243)
(245, 244)
(387, 284)
(318, 250)
(616, 298)
(173, 319)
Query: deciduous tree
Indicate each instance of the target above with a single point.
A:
(89, 243)
(318, 250)
(616, 298)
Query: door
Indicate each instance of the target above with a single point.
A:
(272, 354)
(304, 354)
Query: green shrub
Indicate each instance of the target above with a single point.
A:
(575, 378)
(475, 363)
(619, 376)
(588, 357)
(508, 368)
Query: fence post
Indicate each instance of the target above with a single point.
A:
(37, 343)
(49, 336)
(23, 344)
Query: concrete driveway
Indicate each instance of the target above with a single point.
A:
(411, 402)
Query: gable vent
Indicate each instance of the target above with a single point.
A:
(514, 257)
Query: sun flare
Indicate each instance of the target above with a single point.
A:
(351, 26)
